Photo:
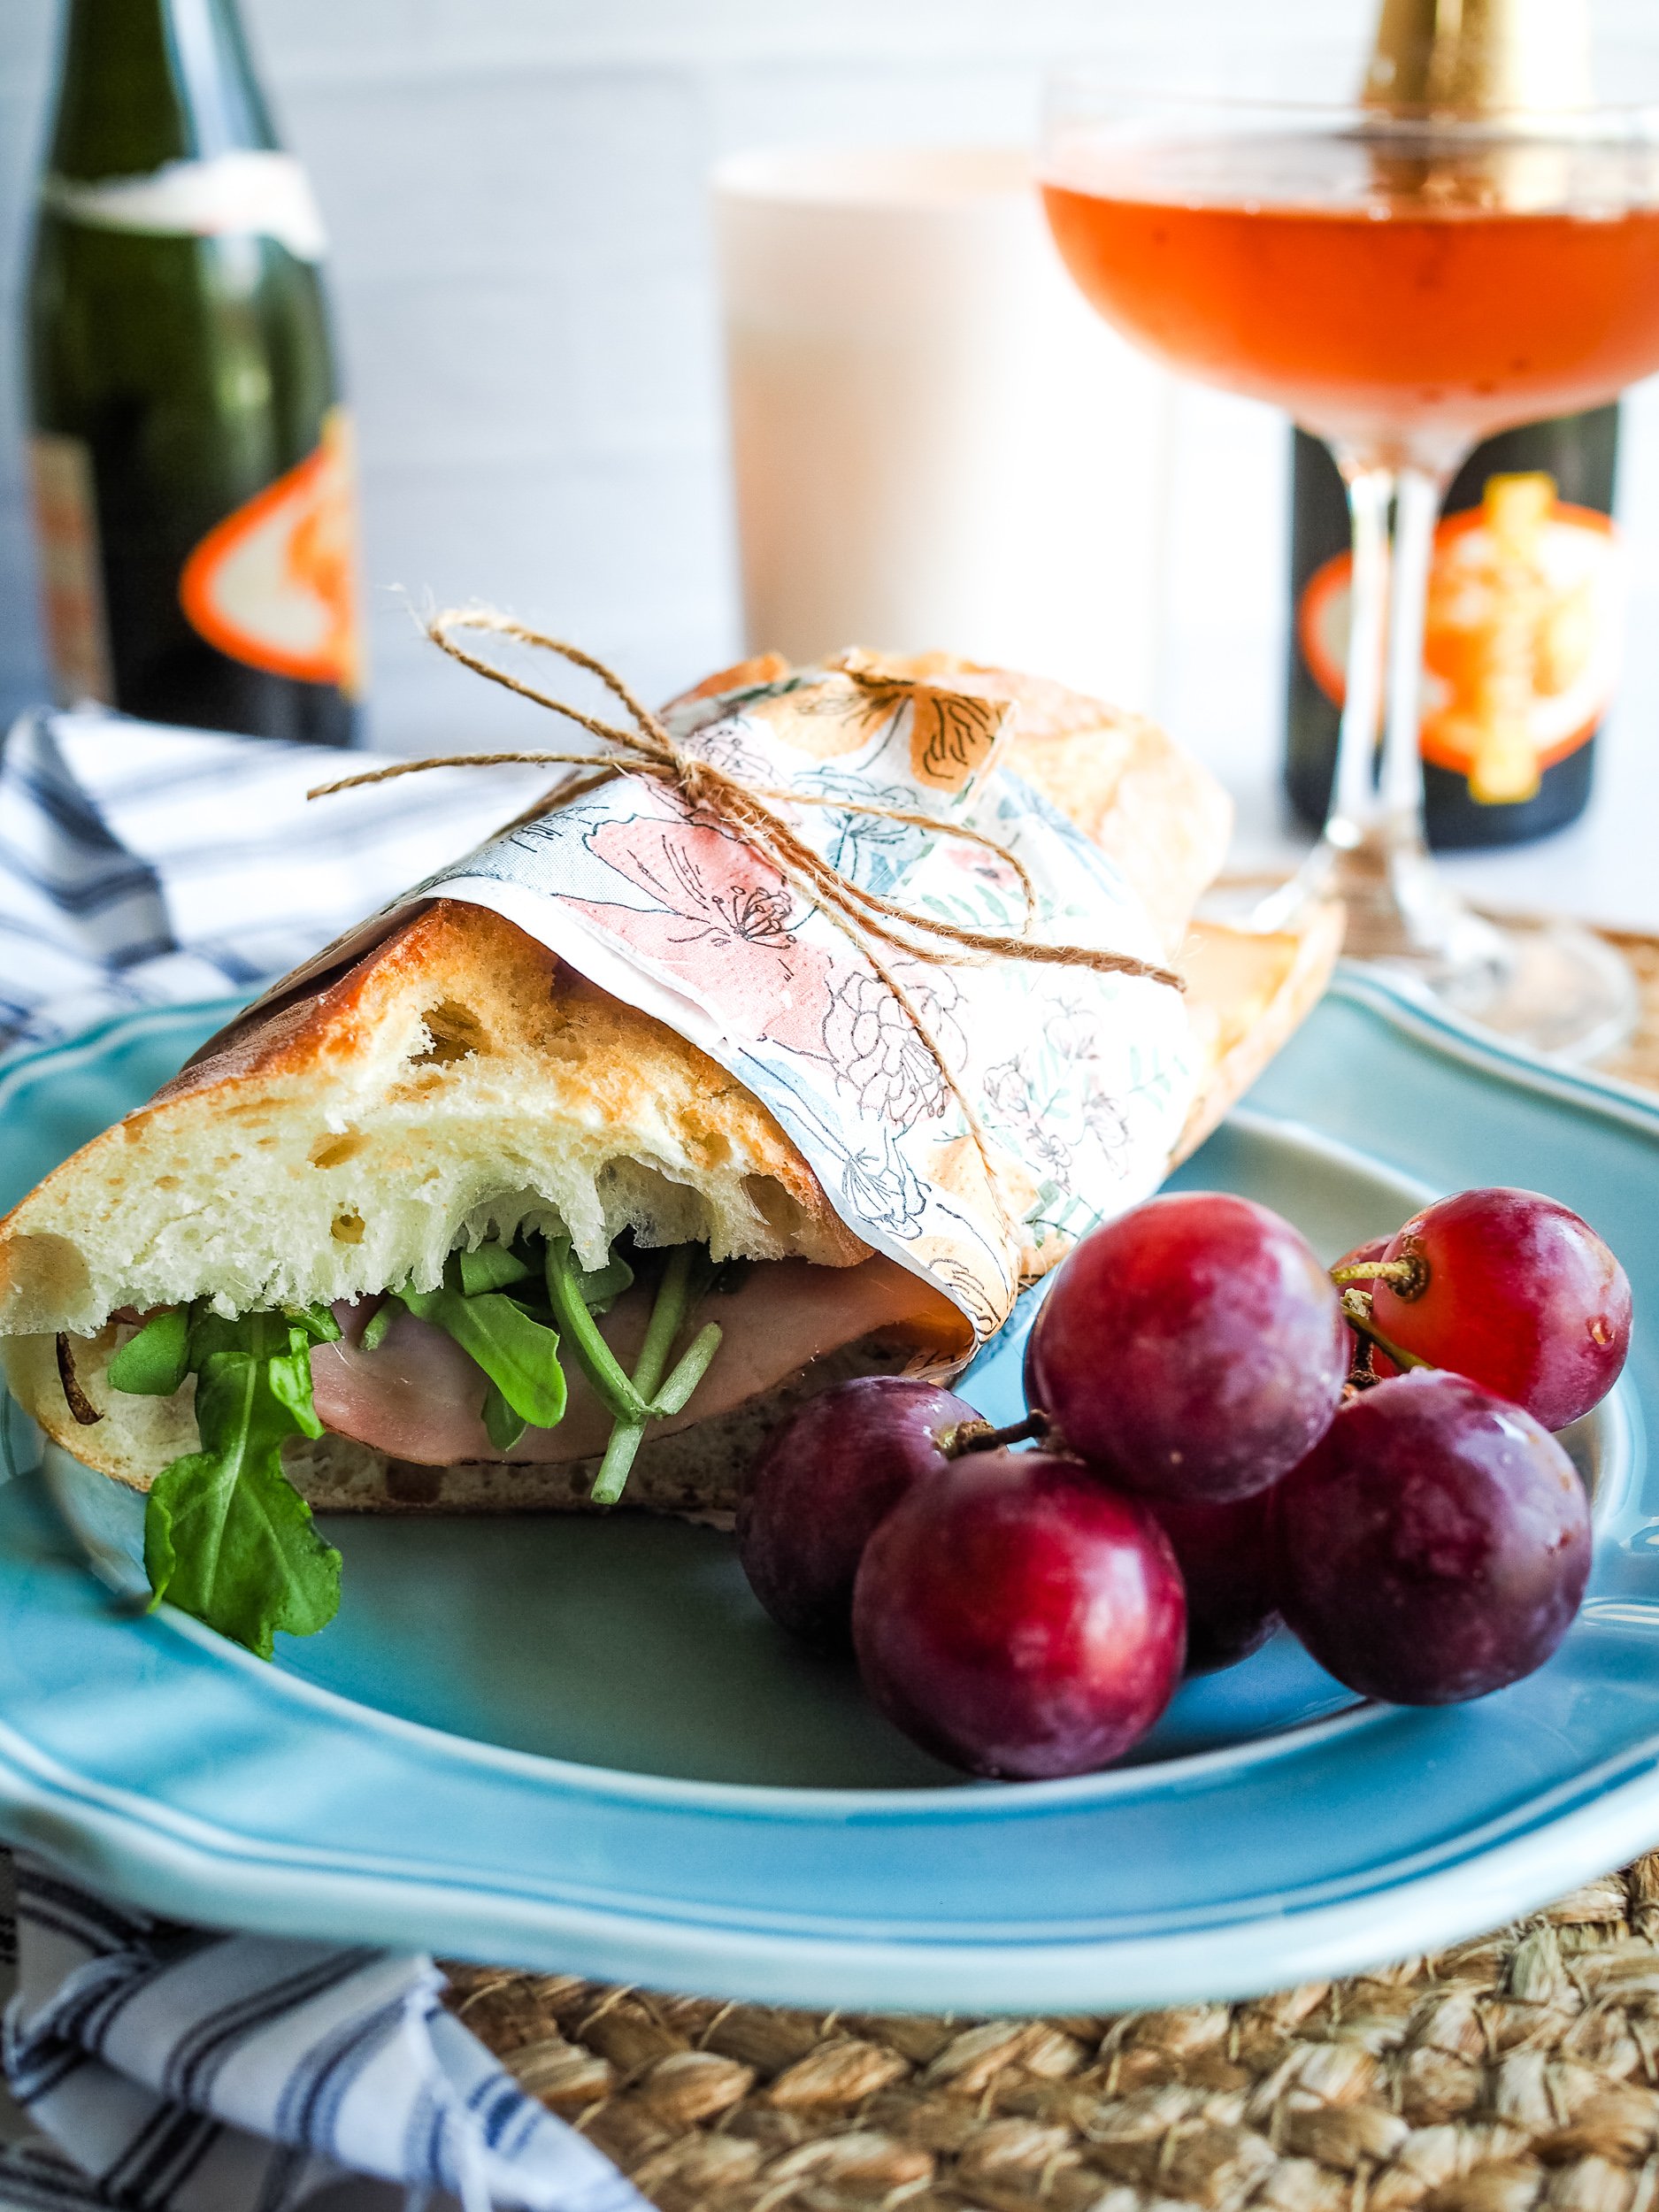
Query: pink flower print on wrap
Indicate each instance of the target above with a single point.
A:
(722, 929)
(969, 859)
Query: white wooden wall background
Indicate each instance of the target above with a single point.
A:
(515, 190)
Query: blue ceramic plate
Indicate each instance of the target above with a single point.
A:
(580, 1745)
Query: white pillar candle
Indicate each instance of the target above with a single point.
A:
(936, 444)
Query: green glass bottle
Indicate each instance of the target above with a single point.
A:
(1522, 650)
(194, 489)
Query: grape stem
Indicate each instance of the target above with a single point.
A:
(980, 1436)
(1356, 1313)
(1409, 1276)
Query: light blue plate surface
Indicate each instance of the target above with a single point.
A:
(580, 1745)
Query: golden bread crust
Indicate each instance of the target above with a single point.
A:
(1246, 993)
(341, 1117)
(456, 1080)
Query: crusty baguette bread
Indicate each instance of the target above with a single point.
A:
(463, 1076)
(1245, 995)
(459, 1044)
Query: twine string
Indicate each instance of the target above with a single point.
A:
(645, 746)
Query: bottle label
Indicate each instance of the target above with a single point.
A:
(242, 193)
(1524, 634)
(274, 584)
(71, 571)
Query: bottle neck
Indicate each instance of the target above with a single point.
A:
(143, 82)
(1481, 57)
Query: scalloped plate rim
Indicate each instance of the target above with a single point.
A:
(161, 1854)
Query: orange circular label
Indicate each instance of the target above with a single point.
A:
(274, 585)
(1523, 637)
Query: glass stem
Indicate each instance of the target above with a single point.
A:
(1354, 795)
(1398, 904)
(1377, 821)
(1349, 861)
(1416, 508)
(1373, 855)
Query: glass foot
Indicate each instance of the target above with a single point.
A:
(1555, 987)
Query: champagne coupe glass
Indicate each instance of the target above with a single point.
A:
(1403, 284)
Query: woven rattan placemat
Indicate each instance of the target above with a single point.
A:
(1518, 2070)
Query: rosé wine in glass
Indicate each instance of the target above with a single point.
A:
(1404, 284)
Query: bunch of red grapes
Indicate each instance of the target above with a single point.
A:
(1227, 1436)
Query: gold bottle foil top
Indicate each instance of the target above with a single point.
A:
(1480, 56)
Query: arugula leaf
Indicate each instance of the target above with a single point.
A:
(492, 1267)
(502, 1424)
(318, 1321)
(155, 1362)
(600, 1288)
(519, 1356)
(288, 1377)
(227, 1536)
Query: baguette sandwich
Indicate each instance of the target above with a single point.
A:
(407, 1235)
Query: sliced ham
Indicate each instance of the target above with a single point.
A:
(418, 1396)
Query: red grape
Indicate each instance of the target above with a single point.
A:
(1190, 1348)
(823, 1479)
(1434, 1544)
(1019, 1618)
(1226, 1555)
(1517, 1293)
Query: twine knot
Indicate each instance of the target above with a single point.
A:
(698, 780)
(644, 745)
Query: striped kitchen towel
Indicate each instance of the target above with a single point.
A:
(141, 865)
(158, 2068)
(182, 2070)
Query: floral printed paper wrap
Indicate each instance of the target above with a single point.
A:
(1079, 1079)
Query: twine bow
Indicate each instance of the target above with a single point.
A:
(648, 749)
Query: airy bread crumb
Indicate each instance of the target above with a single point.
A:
(458, 1083)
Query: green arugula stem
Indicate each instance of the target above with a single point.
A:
(668, 1314)
(693, 1366)
(598, 1362)
(613, 1468)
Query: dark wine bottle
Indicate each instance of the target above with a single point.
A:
(1522, 649)
(194, 489)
